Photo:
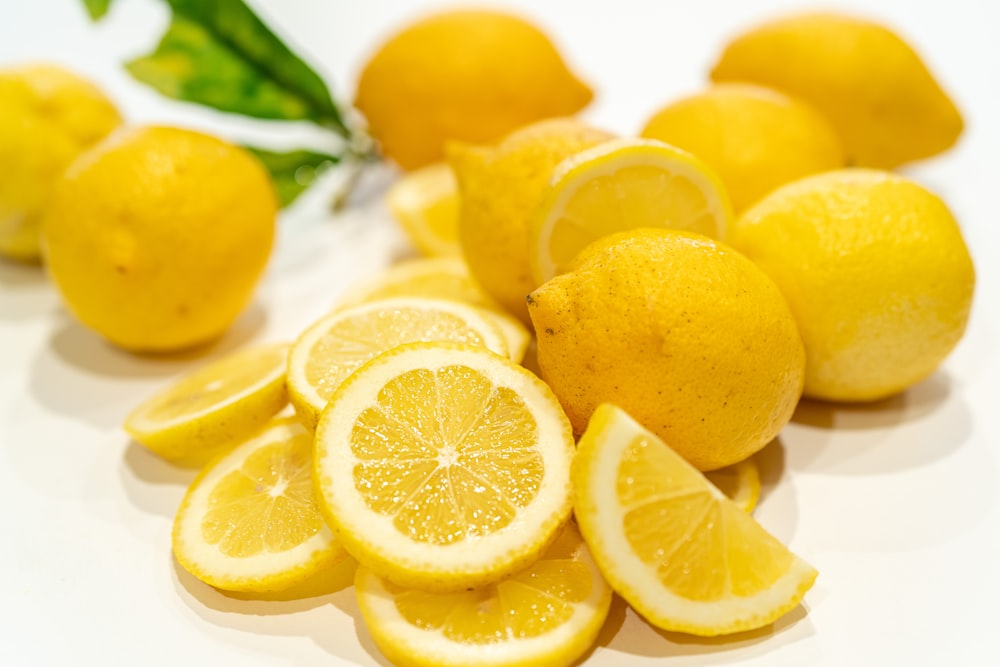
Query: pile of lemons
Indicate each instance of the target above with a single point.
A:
(564, 400)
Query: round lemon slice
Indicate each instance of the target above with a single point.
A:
(210, 408)
(619, 185)
(425, 202)
(440, 278)
(740, 482)
(335, 346)
(250, 522)
(671, 544)
(549, 614)
(444, 466)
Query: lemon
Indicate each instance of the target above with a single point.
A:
(49, 115)
(739, 482)
(425, 203)
(875, 270)
(500, 188)
(754, 138)
(440, 278)
(201, 413)
(249, 521)
(444, 466)
(619, 185)
(335, 346)
(549, 614)
(874, 88)
(468, 75)
(683, 332)
(677, 550)
(157, 236)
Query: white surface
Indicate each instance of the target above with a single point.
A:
(895, 504)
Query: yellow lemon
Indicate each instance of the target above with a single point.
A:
(469, 75)
(157, 236)
(876, 271)
(250, 522)
(440, 278)
(210, 408)
(739, 482)
(683, 332)
(549, 614)
(48, 116)
(677, 550)
(334, 347)
(425, 203)
(754, 138)
(618, 185)
(500, 188)
(874, 88)
(444, 466)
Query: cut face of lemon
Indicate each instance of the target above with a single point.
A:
(425, 202)
(676, 549)
(207, 410)
(620, 185)
(548, 614)
(740, 482)
(334, 347)
(249, 521)
(444, 466)
(440, 278)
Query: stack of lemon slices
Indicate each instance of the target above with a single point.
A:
(420, 447)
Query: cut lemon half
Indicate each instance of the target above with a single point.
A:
(208, 409)
(619, 185)
(549, 614)
(444, 466)
(332, 348)
(440, 278)
(740, 482)
(250, 522)
(670, 543)
(425, 202)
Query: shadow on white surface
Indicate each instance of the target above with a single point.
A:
(153, 485)
(25, 292)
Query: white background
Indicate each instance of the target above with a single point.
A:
(896, 503)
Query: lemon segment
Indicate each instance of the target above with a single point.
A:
(335, 346)
(444, 466)
(549, 614)
(671, 544)
(620, 185)
(425, 202)
(440, 278)
(249, 521)
(208, 409)
(739, 482)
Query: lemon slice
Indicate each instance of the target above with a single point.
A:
(249, 521)
(207, 410)
(425, 202)
(440, 278)
(549, 614)
(444, 466)
(676, 549)
(332, 348)
(620, 185)
(740, 482)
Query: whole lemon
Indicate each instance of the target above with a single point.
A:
(48, 116)
(682, 332)
(157, 236)
(874, 88)
(876, 271)
(499, 188)
(754, 138)
(468, 75)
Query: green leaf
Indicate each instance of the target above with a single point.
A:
(293, 171)
(219, 54)
(97, 8)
